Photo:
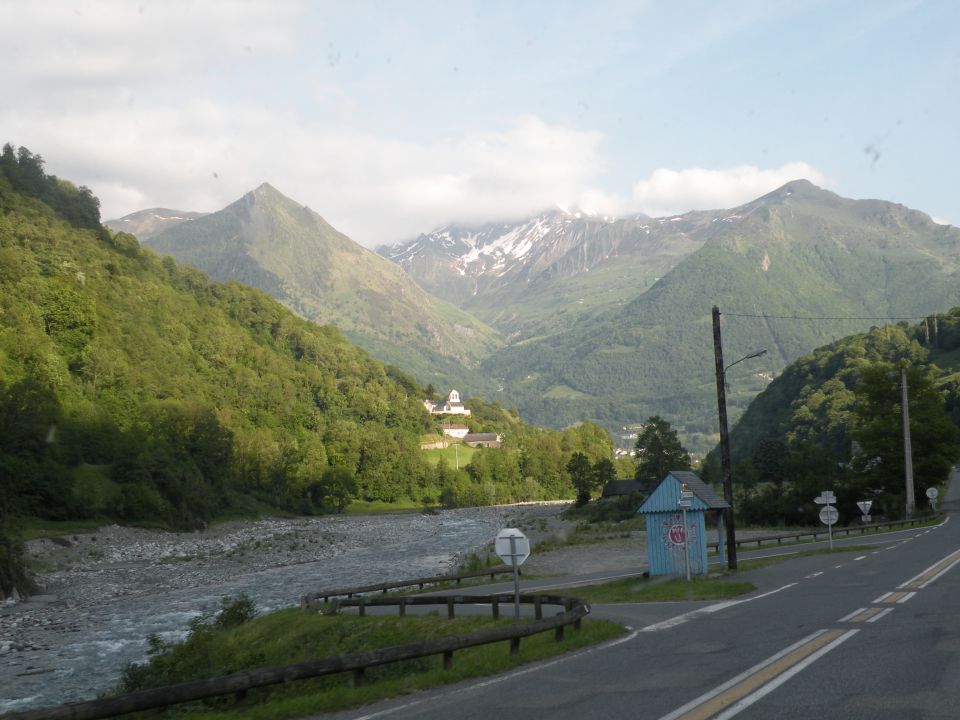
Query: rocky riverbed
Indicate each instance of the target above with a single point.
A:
(104, 592)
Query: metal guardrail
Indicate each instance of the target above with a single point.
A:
(815, 533)
(239, 683)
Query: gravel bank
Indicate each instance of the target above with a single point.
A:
(103, 592)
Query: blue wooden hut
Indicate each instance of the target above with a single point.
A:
(665, 529)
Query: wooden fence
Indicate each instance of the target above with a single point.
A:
(311, 599)
(574, 610)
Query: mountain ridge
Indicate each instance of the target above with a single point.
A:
(266, 240)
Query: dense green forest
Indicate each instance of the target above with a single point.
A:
(134, 388)
(832, 420)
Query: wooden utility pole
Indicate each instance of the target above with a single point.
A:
(907, 449)
(724, 442)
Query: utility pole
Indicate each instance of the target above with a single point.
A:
(724, 442)
(907, 449)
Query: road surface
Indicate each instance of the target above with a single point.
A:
(872, 635)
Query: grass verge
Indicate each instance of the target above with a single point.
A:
(290, 636)
(748, 565)
(642, 589)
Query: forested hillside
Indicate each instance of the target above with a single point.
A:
(832, 420)
(135, 388)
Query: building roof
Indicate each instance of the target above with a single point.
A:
(667, 494)
(481, 437)
(616, 488)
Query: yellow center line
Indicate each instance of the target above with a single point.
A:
(865, 615)
(764, 675)
(931, 573)
(894, 597)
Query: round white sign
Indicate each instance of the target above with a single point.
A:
(932, 493)
(829, 515)
(512, 546)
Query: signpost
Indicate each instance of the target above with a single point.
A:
(828, 513)
(686, 498)
(826, 498)
(865, 506)
(828, 516)
(513, 547)
(932, 493)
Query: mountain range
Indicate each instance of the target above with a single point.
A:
(268, 241)
(571, 316)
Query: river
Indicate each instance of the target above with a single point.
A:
(112, 588)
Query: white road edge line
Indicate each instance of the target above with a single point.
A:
(881, 614)
(862, 557)
(680, 619)
(783, 677)
(882, 598)
(500, 678)
(696, 702)
(906, 597)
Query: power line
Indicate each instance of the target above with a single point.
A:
(798, 317)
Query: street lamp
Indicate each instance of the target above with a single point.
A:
(725, 435)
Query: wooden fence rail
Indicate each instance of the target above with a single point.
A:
(324, 595)
(815, 533)
(574, 610)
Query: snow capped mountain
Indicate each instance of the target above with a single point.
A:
(460, 262)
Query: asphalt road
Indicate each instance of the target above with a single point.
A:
(872, 634)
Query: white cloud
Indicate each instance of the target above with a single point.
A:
(669, 192)
(149, 105)
(102, 43)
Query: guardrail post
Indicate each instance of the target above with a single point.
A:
(403, 606)
(537, 608)
(558, 633)
(359, 679)
(450, 613)
(495, 606)
(448, 660)
(514, 645)
(362, 606)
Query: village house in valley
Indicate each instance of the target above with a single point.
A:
(456, 431)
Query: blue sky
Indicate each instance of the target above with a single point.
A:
(391, 118)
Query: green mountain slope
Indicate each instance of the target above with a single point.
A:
(135, 388)
(799, 251)
(812, 400)
(270, 242)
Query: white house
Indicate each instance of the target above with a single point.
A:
(451, 406)
(456, 431)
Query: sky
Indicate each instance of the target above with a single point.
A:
(394, 118)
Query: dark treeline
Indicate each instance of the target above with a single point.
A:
(24, 171)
